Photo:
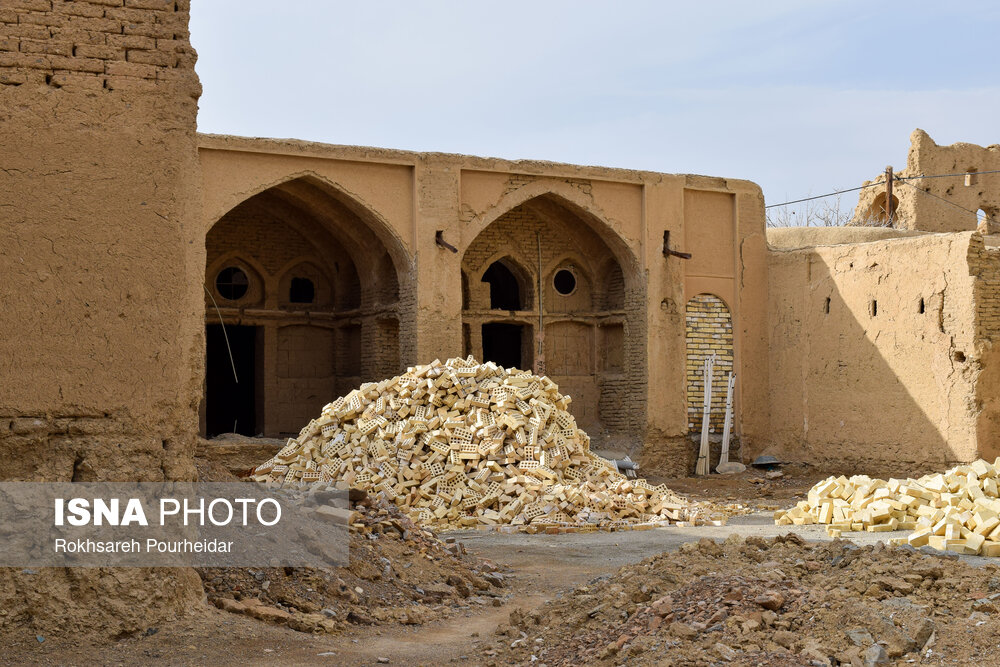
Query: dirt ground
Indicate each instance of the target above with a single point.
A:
(541, 569)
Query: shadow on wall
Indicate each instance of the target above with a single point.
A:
(867, 357)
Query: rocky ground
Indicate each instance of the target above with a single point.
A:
(399, 573)
(639, 597)
(757, 601)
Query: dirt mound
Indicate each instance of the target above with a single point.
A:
(774, 602)
(398, 573)
(462, 444)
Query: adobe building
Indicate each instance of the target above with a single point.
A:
(882, 341)
(129, 240)
(334, 265)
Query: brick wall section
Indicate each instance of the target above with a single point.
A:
(984, 264)
(271, 244)
(709, 330)
(99, 45)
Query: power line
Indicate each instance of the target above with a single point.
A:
(838, 192)
(964, 173)
(895, 178)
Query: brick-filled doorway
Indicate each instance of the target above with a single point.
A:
(230, 401)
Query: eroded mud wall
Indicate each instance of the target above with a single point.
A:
(101, 291)
(873, 351)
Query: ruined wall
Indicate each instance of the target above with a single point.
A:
(101, 267)
(939, 208)
(873, 352)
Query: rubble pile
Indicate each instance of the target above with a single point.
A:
(398, 573)
(758, 601)
(957, 511)
(464, 444)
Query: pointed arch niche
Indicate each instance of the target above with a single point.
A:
(324, 277)
(551, 263)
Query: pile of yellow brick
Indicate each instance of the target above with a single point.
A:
(464, 444)
(956, 511)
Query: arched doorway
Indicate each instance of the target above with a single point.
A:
(303, 301)
(550, 286)
(878, 212)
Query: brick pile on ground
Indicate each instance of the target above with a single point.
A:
(398, 573)
(462, 444)
(758, 601)
(957, 511)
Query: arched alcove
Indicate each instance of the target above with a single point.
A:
(559, 252)
(877, 211)
(329, 279)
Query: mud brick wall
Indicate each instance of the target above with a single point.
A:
(102, 265)
(97, 128)
(984, 264)
(95, 45)
(709, 328)
(874, 352)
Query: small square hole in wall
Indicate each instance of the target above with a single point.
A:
(920, 306)
(873, 308)
(826, 306)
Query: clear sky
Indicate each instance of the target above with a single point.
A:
(800, 97)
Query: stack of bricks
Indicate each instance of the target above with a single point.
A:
(463, 444)
(709, 331)
(956, 511)
(96, 44)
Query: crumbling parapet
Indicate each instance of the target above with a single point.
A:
(942, 189)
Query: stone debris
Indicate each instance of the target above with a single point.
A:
(399, 573)
(755, 601)
(462, 444)
(957, 511)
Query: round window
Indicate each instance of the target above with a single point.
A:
(564, 281)
(232, 283)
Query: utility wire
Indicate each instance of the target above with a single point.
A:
(838, 192)
(882, 182)
(964, 173)
(224, 335)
